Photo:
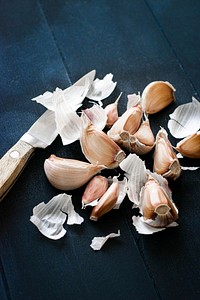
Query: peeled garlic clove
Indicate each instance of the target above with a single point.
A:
(156, 96)
(95, 189)
(68, 174)
(106, 202)
(157, 208)
(98, 148)
(190, 146)
(112, 112)
(166, 162)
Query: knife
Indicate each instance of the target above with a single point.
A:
(41, 134)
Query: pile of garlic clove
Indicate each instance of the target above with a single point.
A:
(109, 141)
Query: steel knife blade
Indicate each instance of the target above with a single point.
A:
(40, 135)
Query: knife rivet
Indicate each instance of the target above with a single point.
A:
(14, 154)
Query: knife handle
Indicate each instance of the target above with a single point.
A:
(12, 164)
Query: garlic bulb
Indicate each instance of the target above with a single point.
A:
(190, 146)
(106, 202)
(97, 147)
(166, 162)
(96, 187)
(156, 96)
(68, 174)
(156, 206)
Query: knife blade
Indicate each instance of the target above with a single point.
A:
(40, 135)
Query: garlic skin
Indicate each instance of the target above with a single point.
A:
(97, 147)
(166, 162)
(112, 112)
(156, 206)
(95, 189)
(106, 202)
(69, 174)
(190, 146)
(156, 96)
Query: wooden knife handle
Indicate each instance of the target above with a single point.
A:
(12, 164)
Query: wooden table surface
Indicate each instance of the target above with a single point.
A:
(48, 44)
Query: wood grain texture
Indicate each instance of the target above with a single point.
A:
(12, 164)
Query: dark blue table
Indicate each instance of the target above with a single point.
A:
(48, 44)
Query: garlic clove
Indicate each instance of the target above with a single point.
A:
(190, 146)
(166, 162)
(129, 121)
(137, 147)
(156, 96)
(112, 112)
(140, 143)
(145, 134)
(95, 189)
(68, 174)
(98, 147)
(143, 140)
(157, 208)
(133, 121)
(106, 202)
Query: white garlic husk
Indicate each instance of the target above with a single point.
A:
(69, 174)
